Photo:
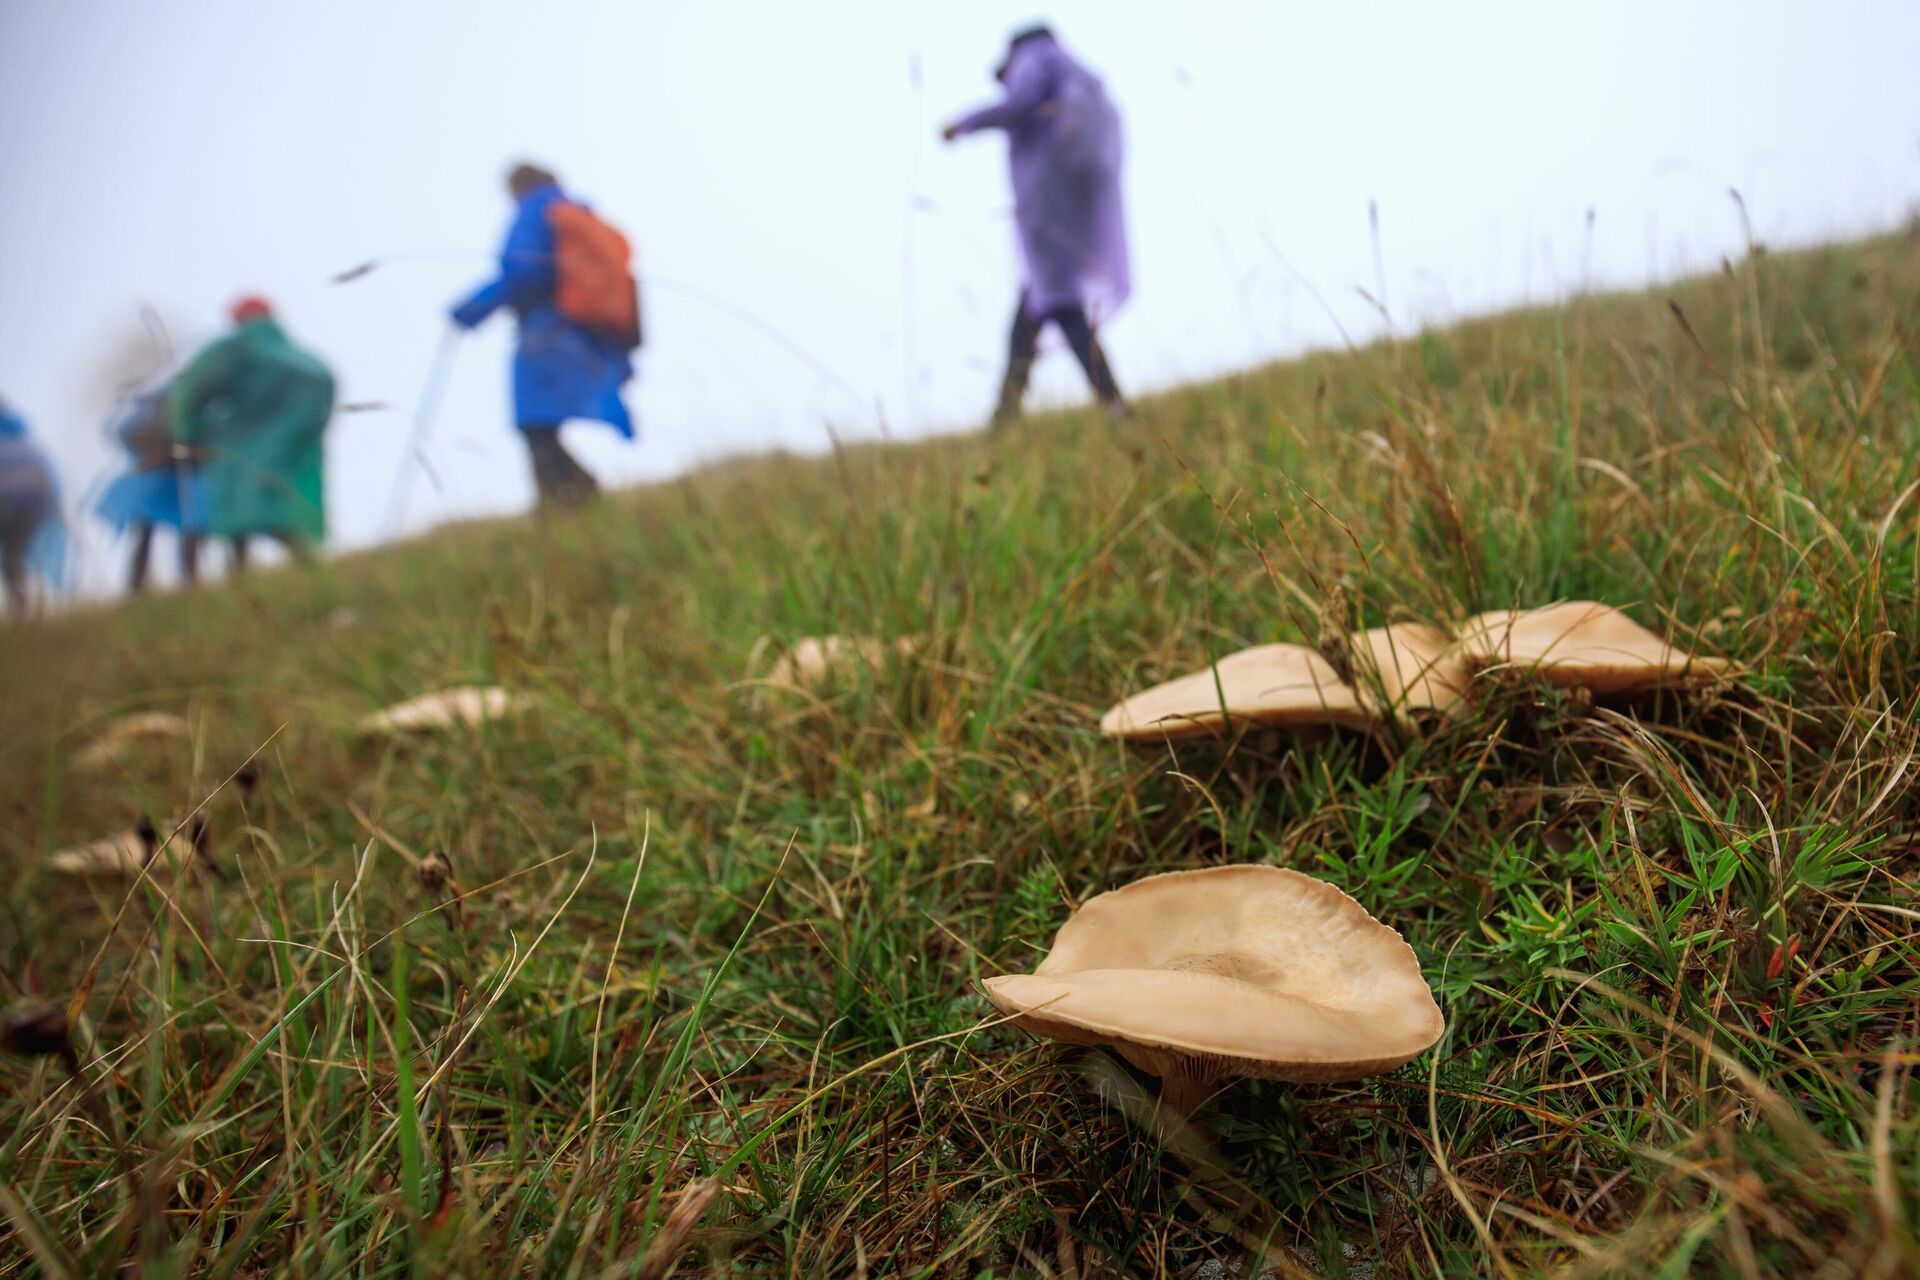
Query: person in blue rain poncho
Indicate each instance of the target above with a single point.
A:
(1063, 154)
(161, 490)
(562, 369)
(33, 534)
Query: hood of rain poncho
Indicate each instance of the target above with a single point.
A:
(1064, 152)
(254, 408)
(561, 371)
(159, 489)
(30, 501)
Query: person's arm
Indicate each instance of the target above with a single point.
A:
(472, 311)
(1030, 85)
(526, 271)
(201, 382)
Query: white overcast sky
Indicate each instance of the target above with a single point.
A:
(815, 257)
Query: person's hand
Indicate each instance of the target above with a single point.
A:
(463, 315)
(949, 133)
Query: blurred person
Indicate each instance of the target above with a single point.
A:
(163, 488)
(252, 409)
(566, 276)
(1064, 151)
(33, 535)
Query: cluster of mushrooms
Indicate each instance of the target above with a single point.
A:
(446, 708)
(1398, 673)
(813, 661)
(1194, 977)
(127, 855)
(807, 664)
(1197, 977)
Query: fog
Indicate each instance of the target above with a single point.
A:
(813, 257)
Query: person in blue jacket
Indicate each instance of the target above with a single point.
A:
(33, 535)
(160, 489)
(561, 370)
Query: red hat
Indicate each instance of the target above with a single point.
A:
(251, 307)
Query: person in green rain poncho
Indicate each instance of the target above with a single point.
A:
(251, 410)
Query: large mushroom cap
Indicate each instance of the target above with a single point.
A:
(1270, 684)
(1195, 976)
(448, 707)
(1413, 667)
(1583, 643)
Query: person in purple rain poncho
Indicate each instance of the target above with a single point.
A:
(1063, 148)
(562, 369)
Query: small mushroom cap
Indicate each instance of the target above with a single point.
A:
(1583, 643)
(112, 742)
(811, 660)
(1271, 684)
(122, 855)
(1415, 668)
(1230, 971)
(448, 707)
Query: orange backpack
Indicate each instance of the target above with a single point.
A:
(593, 283)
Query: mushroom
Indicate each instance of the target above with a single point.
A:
(1400, 669)
(127, 854)
(1200, 976)
(812, 660)
(448, 707)
(111, 744)
(1583, 644)
(1408, 668)
(1287, 685)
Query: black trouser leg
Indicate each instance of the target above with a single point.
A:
(1023, 344)
(142, 558)
(15, 571)
(190, 558)
(1086, 349)
(561, 480)
(297, 549)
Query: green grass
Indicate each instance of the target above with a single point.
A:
(711, 930)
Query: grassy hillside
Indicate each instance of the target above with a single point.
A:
(712, 930)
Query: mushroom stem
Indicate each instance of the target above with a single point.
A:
(1182, 1094)
(1174, 1124)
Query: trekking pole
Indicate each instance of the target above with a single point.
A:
(424, 411)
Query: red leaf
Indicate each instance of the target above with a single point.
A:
(1782, 957)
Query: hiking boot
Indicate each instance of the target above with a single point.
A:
(1013, 390)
